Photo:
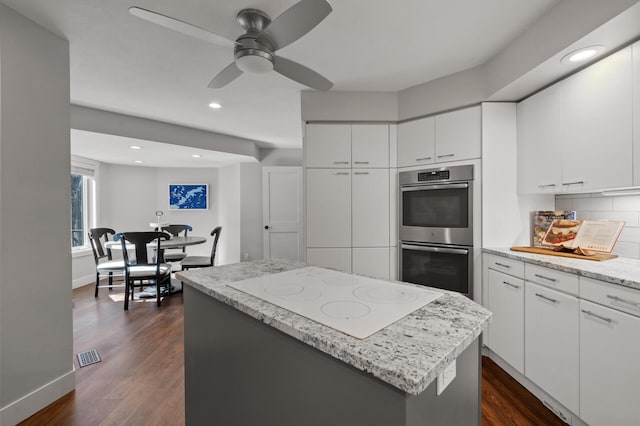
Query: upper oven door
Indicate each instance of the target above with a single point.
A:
(437, 213)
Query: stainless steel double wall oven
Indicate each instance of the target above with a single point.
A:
(436, 228)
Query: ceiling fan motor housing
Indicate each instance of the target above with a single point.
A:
(249, 53)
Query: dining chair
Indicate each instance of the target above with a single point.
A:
(102, 256)
(190, 262)
(176, 255)
(142, 268)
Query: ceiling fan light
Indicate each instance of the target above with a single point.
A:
(254, 64)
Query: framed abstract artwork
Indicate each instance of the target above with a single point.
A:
(188, 196)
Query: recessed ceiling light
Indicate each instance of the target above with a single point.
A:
(215, 105)
(582, 54)
(196, 155)
(135, 147)
(138, 161)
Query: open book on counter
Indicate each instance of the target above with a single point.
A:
(586, 235)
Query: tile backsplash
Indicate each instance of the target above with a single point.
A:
(598, 207)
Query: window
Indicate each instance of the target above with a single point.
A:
(82, 202)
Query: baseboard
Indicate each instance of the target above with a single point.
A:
(82, 281)
(35, 401)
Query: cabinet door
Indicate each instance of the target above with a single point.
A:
(609, 368)
(334, 258)
(370, 204)
(506, 330)
(458, 135)
(636, 113)
(597, 129)
(328, 207)
(328, 145)
(416, 142)
(539, 121)
(372, 262)
(551, 330)
(370, 145)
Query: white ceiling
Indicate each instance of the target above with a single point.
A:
(123, 64)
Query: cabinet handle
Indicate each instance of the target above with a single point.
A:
(445, 155)
(503, 265)
(609, 320)
(361, 162)
(340, 162)
(340, 173)
(553, 280)
(510, 285)
(542, 296)
(360, 173)
(423, 159)
(628, 302)
(578, 182)
(547, 185)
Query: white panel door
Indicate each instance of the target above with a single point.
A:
(370, 207)
(370, 145)
(328, 207)
(416, 142)
(458, 135)
(609, 368)
(282, 213)
(328, 145)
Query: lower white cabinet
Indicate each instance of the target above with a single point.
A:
(609, 366)
(552, 343)
(370, 208)
(506, 330)
(328, 207)
(371, 261)
(334, 258)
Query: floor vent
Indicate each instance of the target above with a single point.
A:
(89, 357)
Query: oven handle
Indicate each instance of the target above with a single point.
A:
(418, 187)
(434, 249)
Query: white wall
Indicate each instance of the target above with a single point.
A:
(598, 207)
(251, 226)
(36, 335)
(229, 215)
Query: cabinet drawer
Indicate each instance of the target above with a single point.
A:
(506, 265)
(611, 295)
(562, 281)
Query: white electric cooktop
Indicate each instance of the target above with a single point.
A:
(355, 305)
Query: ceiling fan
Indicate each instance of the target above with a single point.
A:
(254, 51)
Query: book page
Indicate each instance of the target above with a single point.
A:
(598, 235)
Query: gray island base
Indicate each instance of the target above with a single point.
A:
(248, 362)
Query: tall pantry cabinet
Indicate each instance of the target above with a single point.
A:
(348, 206)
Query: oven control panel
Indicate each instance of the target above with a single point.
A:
(433, 175)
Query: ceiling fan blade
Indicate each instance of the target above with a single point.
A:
(181, 26)
(301, 74)
(226, 76)
(295, 22)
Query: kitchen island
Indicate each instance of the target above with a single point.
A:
(250, 362)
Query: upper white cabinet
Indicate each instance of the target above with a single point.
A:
(636, 115)
(458, 135)
(416, 142)
(370, 145)
(346, 145)
(597, 125)
(539, 119)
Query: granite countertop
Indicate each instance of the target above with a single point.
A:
(621, 270)
(409, 354)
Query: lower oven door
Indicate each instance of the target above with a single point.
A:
(441, 266)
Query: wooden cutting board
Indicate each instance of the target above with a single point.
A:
(540, 250)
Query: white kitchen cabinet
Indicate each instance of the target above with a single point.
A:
(334, 258)
(636, 113)
(370, 145)
(328, 145)
(597, 125)
(458, 135)
(506, 330)
(609, 368)
(371, 261)
(551, 343)
(539, 124)
(416, 142)
(328, 207)
(370, 207)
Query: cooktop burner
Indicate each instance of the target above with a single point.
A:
(353, 304)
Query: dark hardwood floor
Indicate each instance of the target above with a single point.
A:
(140, 380)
